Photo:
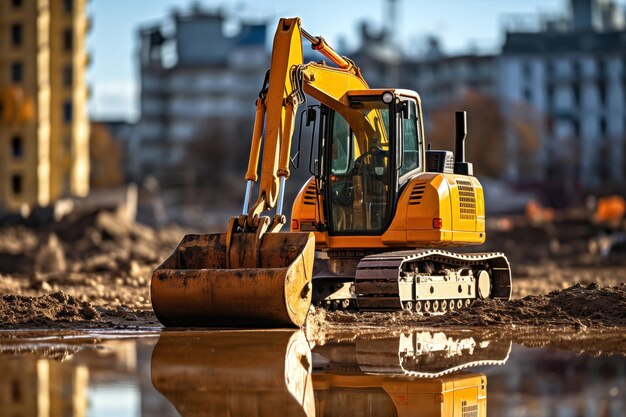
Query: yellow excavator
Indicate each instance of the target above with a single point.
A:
(366, 229)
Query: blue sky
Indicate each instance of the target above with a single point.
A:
(459, 23)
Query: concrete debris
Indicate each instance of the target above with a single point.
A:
(85, 255)
(50, 257)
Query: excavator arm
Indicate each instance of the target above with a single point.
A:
(289, 79)
(252, 275)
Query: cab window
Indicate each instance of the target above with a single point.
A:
(411, 157)
(341, 146)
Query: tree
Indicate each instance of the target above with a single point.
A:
(106, 156)
(488, 128)
(213, 154)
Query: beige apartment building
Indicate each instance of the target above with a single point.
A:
(44, 126)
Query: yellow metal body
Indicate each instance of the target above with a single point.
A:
(276, 109)
(461, 394)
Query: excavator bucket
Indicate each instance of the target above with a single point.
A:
(253, 282)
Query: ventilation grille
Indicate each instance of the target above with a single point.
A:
(469, 410)
(467, 199)
(310, 195)
(417, 192)
(449, 167)
(436, 161)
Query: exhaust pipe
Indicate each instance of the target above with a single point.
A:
(461, 167)
(461, 134)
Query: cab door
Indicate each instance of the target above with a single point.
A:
(361, 174)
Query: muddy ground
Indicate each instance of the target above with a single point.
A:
(92, 270)
(576, 307)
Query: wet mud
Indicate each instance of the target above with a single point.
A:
(62, 311)
(577, 306)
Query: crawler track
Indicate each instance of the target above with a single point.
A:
(430, 280)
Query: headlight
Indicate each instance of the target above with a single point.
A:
(387, 97)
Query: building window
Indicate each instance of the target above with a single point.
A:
(67, 112)
(550, 95)
(601, 69)
(603, 127)
(601, 85)
(67, 76)
(528, 95)
(576, 126)
(16, 184)
(17, 72)
(576, 90)
(16, 34)
(68, 40)
(576, 70)
(17, 147)
(68, 6)
(16, 3)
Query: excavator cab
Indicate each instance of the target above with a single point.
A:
(367, 151)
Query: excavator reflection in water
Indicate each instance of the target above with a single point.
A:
(226, 374)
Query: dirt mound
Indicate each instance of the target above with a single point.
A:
(16, 309)
(62, 310)
(577, 306)
(98, 256)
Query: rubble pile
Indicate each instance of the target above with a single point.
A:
(565, 242)
(99, 256)
(62, 310)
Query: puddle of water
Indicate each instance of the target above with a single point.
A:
(274, 373)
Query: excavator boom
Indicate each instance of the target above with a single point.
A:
(252, 275)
